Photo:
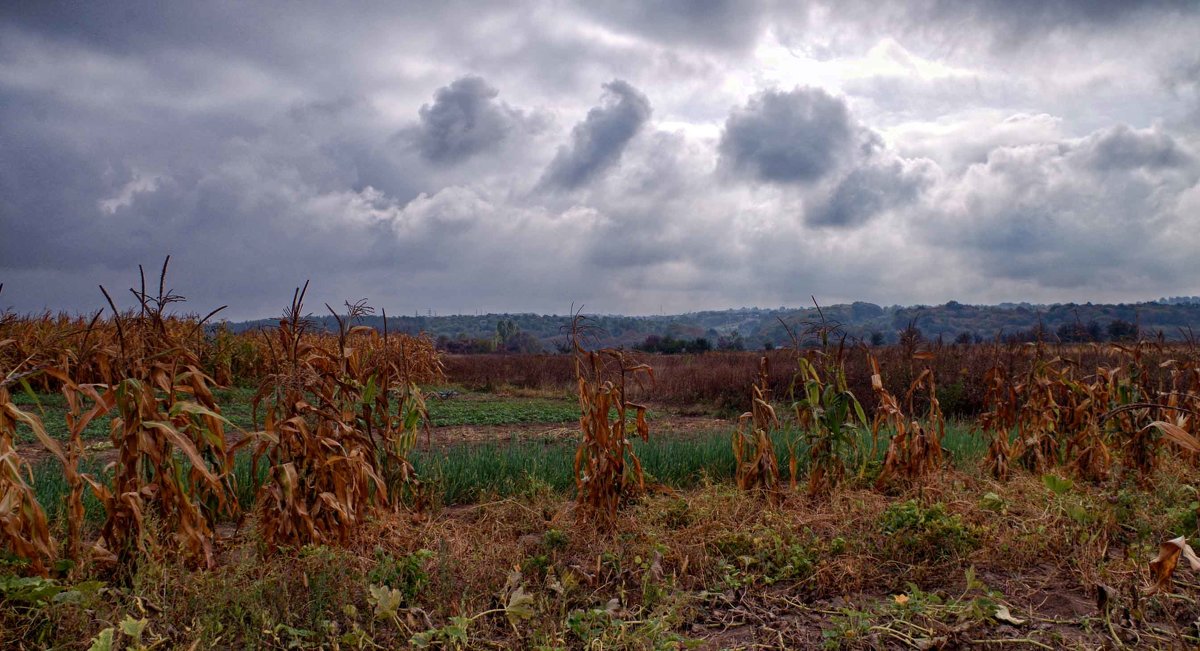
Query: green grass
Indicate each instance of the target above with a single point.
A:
(471, 409)
(52, 409)
(500, 410)
(468, 473)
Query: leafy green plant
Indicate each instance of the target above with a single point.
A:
(831, 419)
(555, 540)
(518, 607)
(926, 533)
(406, 574)
(765, 555)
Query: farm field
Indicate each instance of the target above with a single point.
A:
(165, 486)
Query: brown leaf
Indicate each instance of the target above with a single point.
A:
(1163, 565)
(1176, 435)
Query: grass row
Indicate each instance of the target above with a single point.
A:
(465, 474)
(500, 410)
(465, 410)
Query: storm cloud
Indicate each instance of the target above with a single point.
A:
(632, 156)
(464, 119)
(795, 136)
(868, 190)
(597, 141)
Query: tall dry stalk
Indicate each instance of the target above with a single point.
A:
(606, 468)
(756, 465)
(998, 421)
(340, 424)
(172, 458)
(24, 530)
(915, 449)
(321, 477)
(78, 416)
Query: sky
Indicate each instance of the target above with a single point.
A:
(637, 157)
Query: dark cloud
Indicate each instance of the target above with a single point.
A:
(797, 136)
(597, 142)
(869, 190)
(464, 120)
(1018, 20)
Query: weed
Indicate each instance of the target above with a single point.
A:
(926, 533)
(406, 574)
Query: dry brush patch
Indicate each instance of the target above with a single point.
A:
(525, 572)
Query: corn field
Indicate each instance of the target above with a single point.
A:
(341, 411)
(337, 417)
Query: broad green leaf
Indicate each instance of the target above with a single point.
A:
(103, 641)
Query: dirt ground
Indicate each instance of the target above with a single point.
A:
(666, 425)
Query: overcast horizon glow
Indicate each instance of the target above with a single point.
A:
(634, 157)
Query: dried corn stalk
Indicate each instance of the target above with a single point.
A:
(757, 467)
(606, 468)
(24, 531)
(915, 449)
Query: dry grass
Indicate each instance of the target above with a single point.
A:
(698, 565)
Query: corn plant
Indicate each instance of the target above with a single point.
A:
(1002, 409)
(78, 417)
(172, 457)
(606, 468)
(915, 449)
(321, 479)
(826, 410)
(376, 372)
(830, 417)
(757, 467)
(24, 531)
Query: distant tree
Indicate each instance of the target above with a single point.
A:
(699, 345)
(506, 328)
(1037, 333)
(876, 338)
(651, 344)
(964, 338)
(1121, 330)
(668, 345)
(1073, 333)
(522, 342)
(731, 342)
(860, 311)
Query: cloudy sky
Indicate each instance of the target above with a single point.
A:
(634, 156)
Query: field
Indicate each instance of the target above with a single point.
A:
(165, 485)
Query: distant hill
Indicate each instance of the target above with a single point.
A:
(755, 328)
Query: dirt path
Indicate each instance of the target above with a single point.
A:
(670, 426)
